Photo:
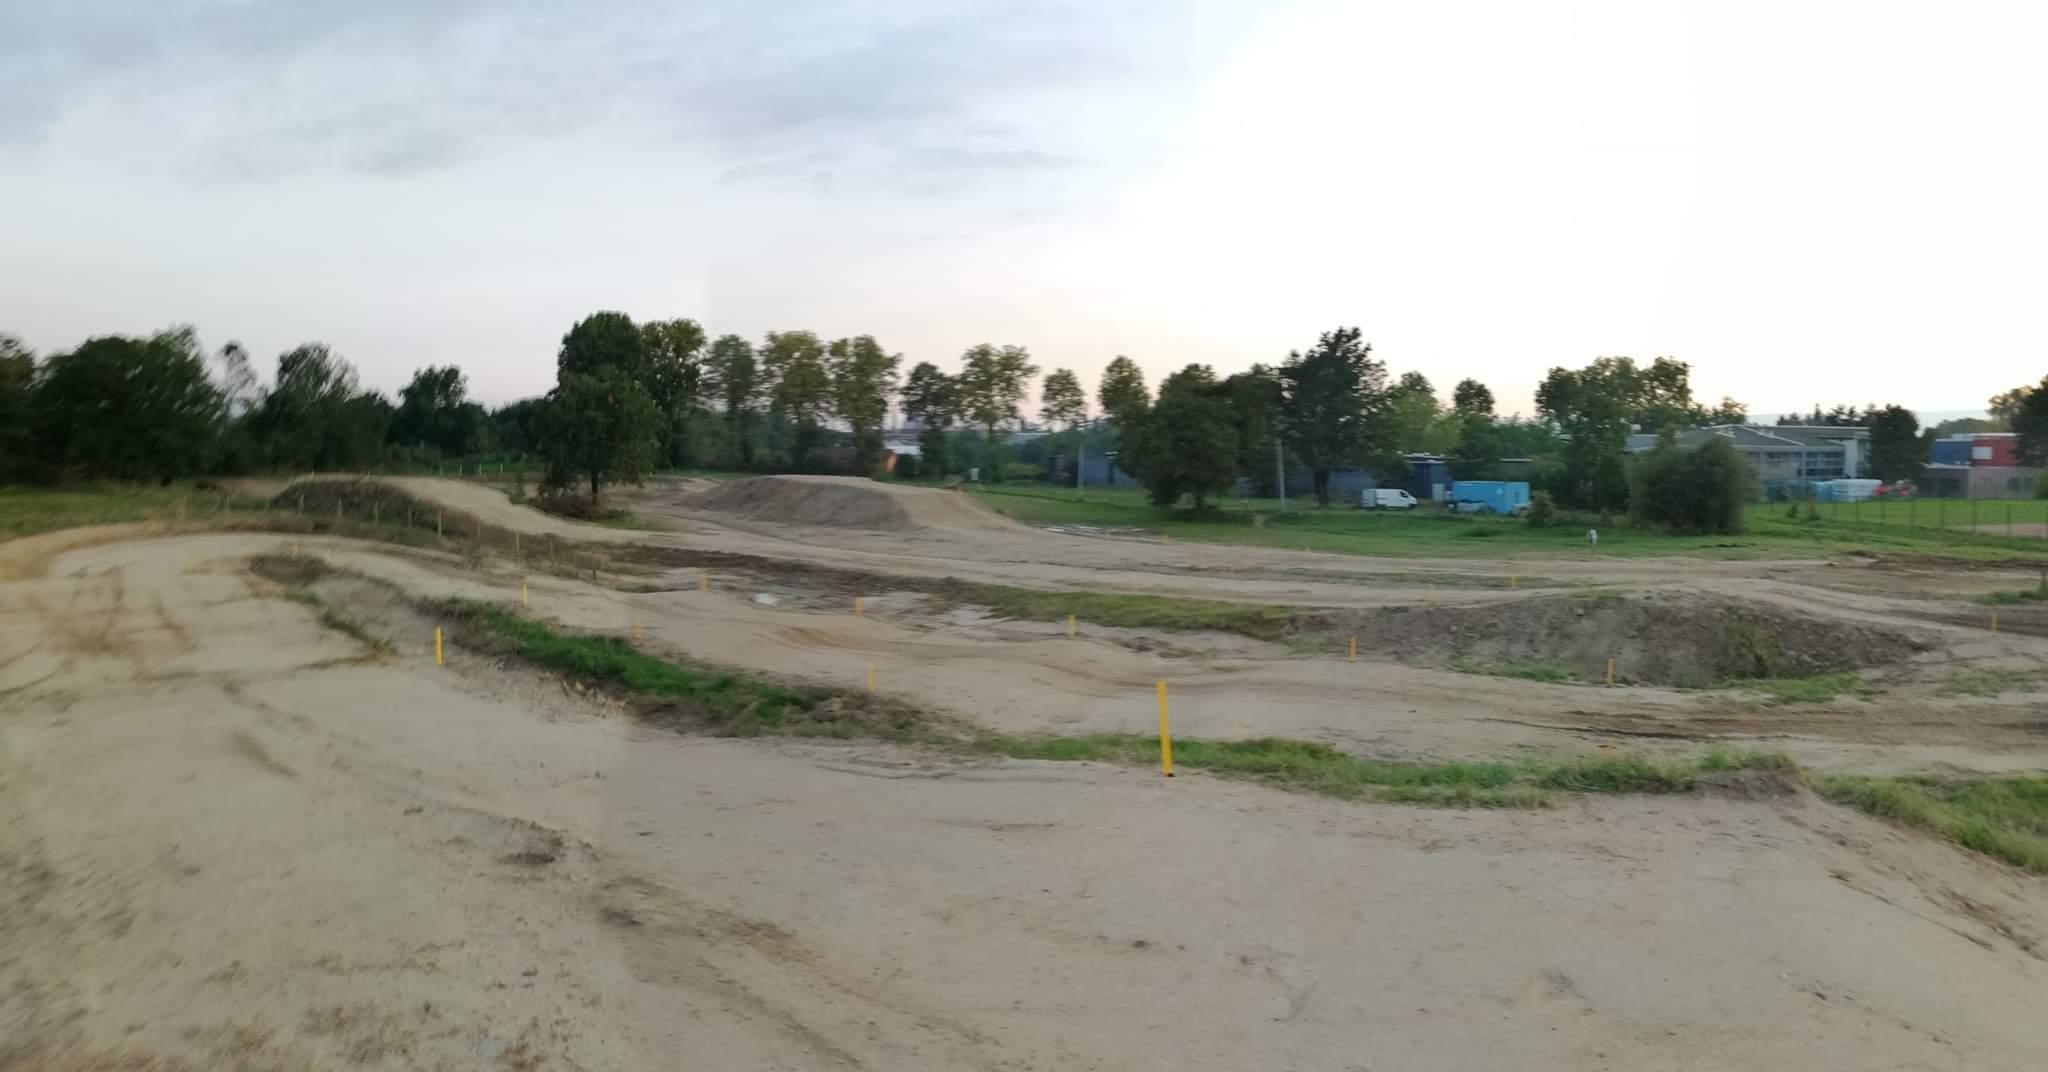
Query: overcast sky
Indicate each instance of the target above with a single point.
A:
(1811, 202)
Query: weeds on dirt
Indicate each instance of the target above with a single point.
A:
(2036, 594)
(2002, 817)
(297, 571)
(722, 701)
(1988, 683)
(1818, 688)
(1260, 621)
(1549, 671)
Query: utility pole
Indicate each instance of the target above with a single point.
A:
(1280, 472)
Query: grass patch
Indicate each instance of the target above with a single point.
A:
(2036, 594)
(1545, 670)
(2006, 818)
(1988, 683)
(1261, 621)
(723, 701)
(1819, 688)
(286, 566)
(26, 511)
(1317, 768)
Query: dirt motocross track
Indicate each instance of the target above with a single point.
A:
(232, 838)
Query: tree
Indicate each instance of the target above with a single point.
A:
(1062, 401)
(17, 413)
(607, 340)
(1411, 414)
(1254, 397)
(238, 388)
(434, 411)
(800, 388)
(1471, 397)
(2030, 422)
(127, 408)
(1897, 451)
(2005, 406)
(315, 418)
(518, 427)
(1702, 490)
(993, 381)
(1728, 412)
(1122, 389)
(863, 378)
(1186, 442)
(736, 378)
(1333, 403)
(673, 373)
(599, 427)
(1594, 408)
(932, 399)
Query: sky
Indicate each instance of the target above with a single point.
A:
(1811, 202)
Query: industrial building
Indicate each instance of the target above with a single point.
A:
(1785, 456)
(1982, 465)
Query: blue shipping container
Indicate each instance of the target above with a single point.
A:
(1952, 451)
(1498, 496)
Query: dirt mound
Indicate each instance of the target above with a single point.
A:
(1660, 639)
(848, 502)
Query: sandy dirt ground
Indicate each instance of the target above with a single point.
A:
(232, 838)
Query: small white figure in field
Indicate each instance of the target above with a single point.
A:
(1592, 537)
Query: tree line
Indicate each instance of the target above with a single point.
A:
(630, 397)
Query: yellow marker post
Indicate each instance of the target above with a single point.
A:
(871, 675)
(1165, 736)
(437, 645)
(522, 594)
(1610, 671)
(856, 606)
(1514, 583)
(1070, 627)
(636, 630)
(703, 582)
(1994, 621)
(1354, 649)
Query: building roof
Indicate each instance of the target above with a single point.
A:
(1775, 437)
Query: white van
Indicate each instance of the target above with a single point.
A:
(1386, 499)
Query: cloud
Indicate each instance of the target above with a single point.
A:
(944, 91)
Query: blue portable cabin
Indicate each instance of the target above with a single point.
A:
(1496, 496)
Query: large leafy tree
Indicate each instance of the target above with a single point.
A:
(1254, 397)
(315, 417)
(1333, 405)
(932, 399)
(863, 379)
(128, 408)
(1478, 451)
(2005, 406)
(607, 340)
(1701, 490)
(1897, 449)
(734, 376)
(1122, 389)
(1595, 408)
(1061, 401)
(1412, 414)
(673, 374)
(519, 427)
(434, 410)
(2030, 421)
(1471, 398)
(800, 391)
(598, 428)
(1187, 441)
(993, 383)
(17, 432)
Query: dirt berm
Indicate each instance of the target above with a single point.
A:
(1685, 639)
(848, 502)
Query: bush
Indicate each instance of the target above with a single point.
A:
(1691, 491)
(1542, 510)
(909, 467)
(1020, 471)
(2041, 486)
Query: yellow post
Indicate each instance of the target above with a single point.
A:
(1994, 621)
(1610, 671)
(522, 594)
(703, 582)
(1354, 649)
(1165, 736)
(437, 645)
(1070, 627)
(856, 606)
(636, 630)
(871, 675)
(1514, 583)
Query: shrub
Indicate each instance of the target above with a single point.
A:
(1691, 491)
(909, 467)
(2041, 486)
(1542, 510)
(1017, 471)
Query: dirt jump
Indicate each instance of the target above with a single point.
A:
(235, 835)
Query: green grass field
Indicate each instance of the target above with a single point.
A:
(25, 511)
(1428, 532)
